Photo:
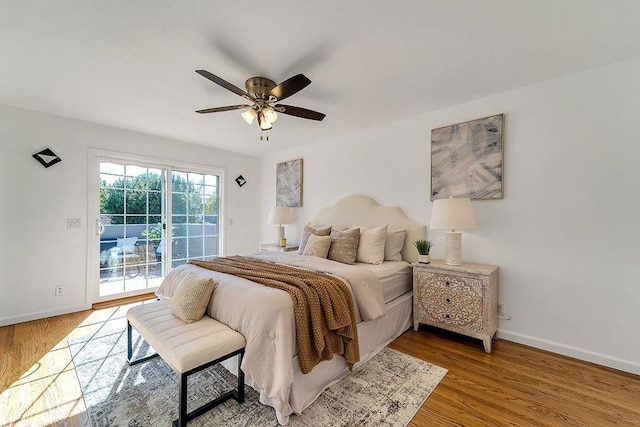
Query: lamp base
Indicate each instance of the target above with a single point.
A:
(453, 248)
(281, 240)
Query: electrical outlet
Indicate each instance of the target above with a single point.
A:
(59, 290)
(502, 313)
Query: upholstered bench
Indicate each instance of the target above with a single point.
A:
(187, 348)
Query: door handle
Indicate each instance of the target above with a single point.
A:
(99, 227)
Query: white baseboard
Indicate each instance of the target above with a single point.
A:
(575, 352)
(42, 314)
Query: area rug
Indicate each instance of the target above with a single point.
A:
(387, 390)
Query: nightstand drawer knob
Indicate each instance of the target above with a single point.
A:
(448, 300)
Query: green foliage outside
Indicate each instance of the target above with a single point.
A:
(153, 233)
(142, 198)
(189, 205)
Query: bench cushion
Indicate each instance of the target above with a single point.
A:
(184, 346)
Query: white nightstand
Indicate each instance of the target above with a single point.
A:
(277, 248)
(461, 299)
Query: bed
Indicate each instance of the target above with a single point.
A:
(264, 316)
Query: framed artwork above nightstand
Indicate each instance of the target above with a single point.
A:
(277, 248)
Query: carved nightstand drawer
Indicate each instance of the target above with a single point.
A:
(462, 299)
(451, 300)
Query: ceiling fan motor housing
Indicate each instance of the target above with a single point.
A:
(259, 87)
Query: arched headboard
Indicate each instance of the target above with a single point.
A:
(366, 212)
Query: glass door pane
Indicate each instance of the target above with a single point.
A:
(194, 216)
(132, 217)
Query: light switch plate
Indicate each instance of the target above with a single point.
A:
(73, 222)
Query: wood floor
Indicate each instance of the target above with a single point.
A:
(514, 385)
(518, 385)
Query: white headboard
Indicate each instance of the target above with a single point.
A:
(366, 212)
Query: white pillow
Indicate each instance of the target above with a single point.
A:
(317, 246)
(371, 245)
(394, 244)
(172, 282)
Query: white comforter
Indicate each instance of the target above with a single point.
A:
(264, 316)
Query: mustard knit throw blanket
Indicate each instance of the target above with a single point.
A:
(322, 306)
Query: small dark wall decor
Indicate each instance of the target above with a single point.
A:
(240, 180)
(47, 157)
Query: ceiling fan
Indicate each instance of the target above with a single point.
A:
(264, 95)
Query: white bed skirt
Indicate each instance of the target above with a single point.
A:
(373, 336)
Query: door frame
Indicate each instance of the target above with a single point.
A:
(95, 156)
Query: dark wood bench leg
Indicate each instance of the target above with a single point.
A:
(130, 359)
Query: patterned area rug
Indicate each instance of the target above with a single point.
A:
(387, 390)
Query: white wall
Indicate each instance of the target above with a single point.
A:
(567, 234)
(37, 251)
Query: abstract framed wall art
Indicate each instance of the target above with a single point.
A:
(467, 159)
(289, 183)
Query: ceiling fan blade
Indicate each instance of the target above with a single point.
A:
(290, 86)
(225, 84)
(218, 109)
(299, 112)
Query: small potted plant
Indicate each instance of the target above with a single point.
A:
(423, 247)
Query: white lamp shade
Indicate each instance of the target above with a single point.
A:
(452, 214)
(280, 215)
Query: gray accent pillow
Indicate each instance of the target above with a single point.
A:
(394, 244)
(344, 245)
(308, 231)
(317, 246)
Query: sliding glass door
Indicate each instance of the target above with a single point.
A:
(132, 220)
(194, 216)
(139, 241)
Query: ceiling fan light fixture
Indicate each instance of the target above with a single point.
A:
(264, 96)
(249, 115)
(270, 115)
(264, 123)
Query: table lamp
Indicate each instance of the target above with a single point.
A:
(281, 215)
(452, 214)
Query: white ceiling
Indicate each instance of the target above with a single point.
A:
(130, 63)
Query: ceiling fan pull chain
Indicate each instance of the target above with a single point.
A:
(263, 136)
